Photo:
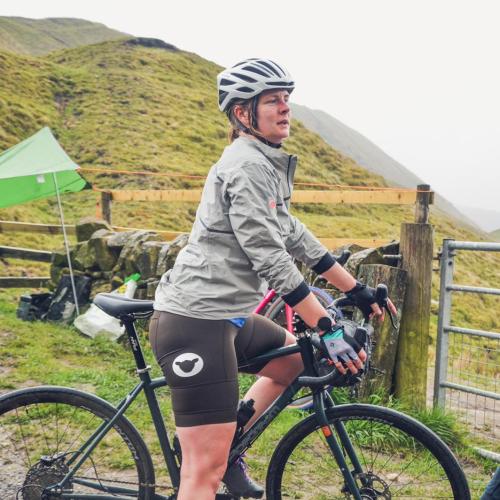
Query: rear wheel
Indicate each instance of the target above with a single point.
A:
(399, 457)
(43, 431)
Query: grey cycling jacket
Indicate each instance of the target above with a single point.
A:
(243, 239)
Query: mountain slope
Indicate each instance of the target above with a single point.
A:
(123, 105)
(488, 220)
(41, 36)
(366, 153)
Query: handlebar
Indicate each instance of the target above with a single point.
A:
(324, 324)
(343, 257)
(381, 296)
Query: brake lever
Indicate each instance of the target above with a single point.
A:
(394, 320)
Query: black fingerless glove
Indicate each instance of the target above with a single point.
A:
(362, 297)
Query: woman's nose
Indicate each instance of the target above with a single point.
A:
(284, 107)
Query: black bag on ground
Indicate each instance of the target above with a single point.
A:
(34, 306)
(62, 306)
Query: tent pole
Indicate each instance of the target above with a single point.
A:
(66, 244)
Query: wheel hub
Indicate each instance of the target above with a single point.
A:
(49, 471)
(374, 488)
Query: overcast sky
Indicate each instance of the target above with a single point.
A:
(419, 78)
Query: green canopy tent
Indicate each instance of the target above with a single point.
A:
(37, 168)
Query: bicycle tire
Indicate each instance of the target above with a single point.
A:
(302, 465)
(41, 430)
(277, 307)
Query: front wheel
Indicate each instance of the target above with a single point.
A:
(43, 435)
(399, 458)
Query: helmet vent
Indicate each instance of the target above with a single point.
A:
(245, 89)
(281, 84)
(268, 66)
(253, 69)
(224, 81)
(222, 96)
(244, 77)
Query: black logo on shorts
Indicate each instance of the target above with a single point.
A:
(187, 364)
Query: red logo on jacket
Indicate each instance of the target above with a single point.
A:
(272, 204)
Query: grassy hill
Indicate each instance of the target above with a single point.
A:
(495, 235)
(120, 105)
(41, 36)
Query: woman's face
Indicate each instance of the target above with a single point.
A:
(274, 115)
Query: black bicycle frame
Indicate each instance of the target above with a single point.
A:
(149, 385)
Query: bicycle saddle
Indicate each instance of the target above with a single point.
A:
(118, 306)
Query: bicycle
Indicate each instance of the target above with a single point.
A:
(60, 442)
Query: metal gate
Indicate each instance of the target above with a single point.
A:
(467, 377)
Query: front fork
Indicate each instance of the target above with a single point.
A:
(320, 398)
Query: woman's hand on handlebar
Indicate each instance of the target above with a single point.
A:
(379, 313)
(352, 365)
(344, 351)
(371, 301)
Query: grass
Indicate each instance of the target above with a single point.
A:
(46, 353)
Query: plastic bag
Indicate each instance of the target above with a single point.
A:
(96, 322)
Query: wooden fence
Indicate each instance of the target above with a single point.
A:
(416, 253)
(25, 254)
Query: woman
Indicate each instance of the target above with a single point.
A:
(242, 241)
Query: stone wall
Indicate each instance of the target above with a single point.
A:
(108, 257)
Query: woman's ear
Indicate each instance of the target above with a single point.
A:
(241, 114)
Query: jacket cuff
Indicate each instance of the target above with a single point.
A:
(297, 295)
(327, 261)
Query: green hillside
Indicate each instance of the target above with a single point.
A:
(495, 235)
(41, 36)
(120, 105)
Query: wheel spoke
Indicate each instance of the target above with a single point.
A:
(53, 428)
(395, 462)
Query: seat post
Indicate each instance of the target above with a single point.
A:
(142, 368)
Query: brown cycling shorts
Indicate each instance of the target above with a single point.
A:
(200, 358)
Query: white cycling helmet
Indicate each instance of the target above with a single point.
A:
(249, 78)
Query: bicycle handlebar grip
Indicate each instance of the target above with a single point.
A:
(343, 257)
(325, 324)
(381, 295)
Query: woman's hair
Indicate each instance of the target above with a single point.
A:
(237, 127)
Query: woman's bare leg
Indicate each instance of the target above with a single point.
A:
(274, 378)
(205, 449)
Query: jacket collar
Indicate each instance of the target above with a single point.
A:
(283, 162)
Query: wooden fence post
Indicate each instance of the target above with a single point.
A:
(416, 248)
(106, 206)
(385, 336)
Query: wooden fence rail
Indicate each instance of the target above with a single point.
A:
(24, 282)
(341, 196)
(25, 253)
(29, 227)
